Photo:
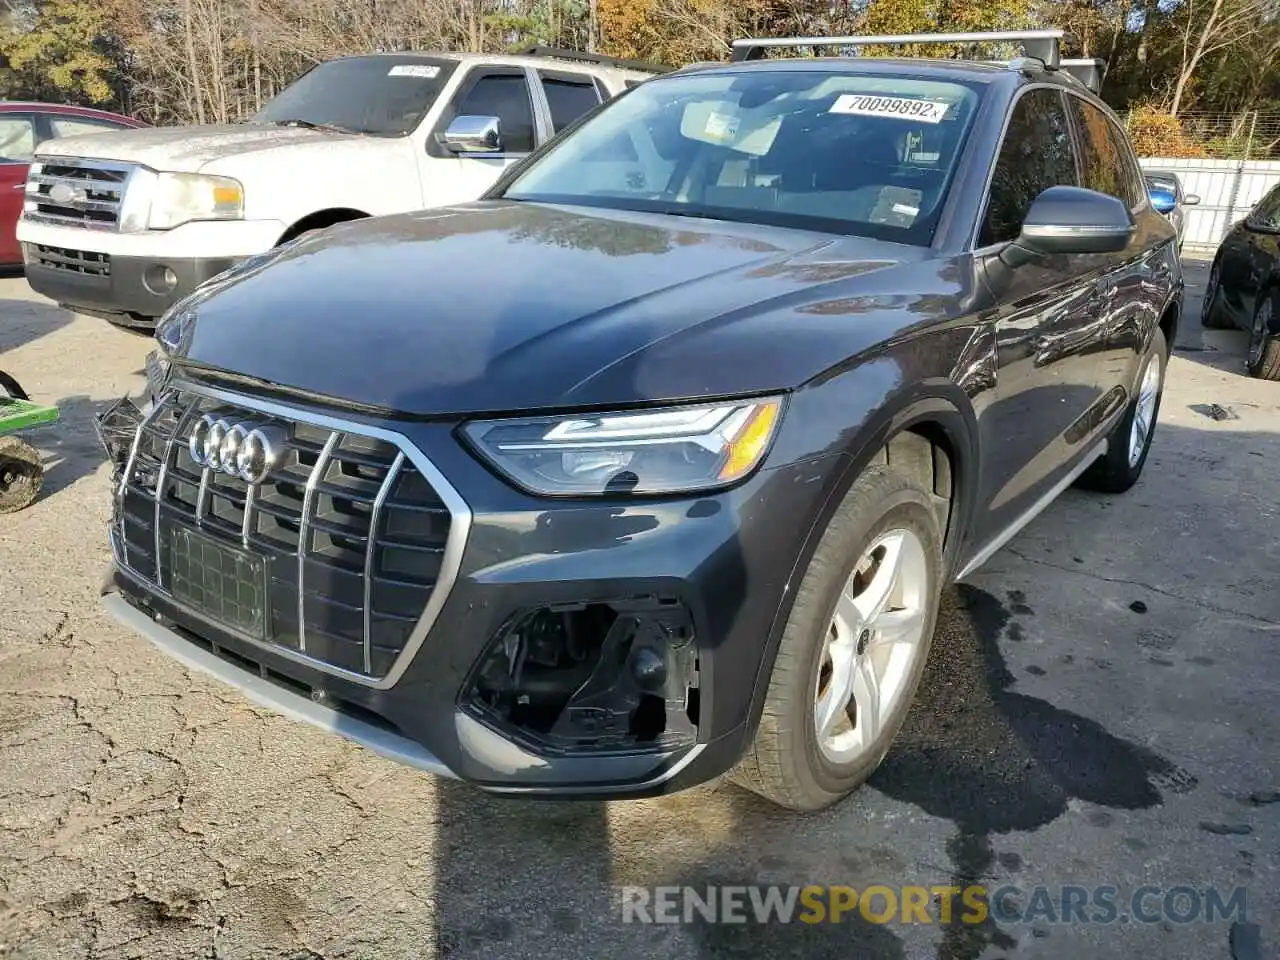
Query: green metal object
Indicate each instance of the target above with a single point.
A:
(23, 414)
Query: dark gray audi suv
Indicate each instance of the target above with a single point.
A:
(651, 464)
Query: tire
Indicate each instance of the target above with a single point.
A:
(1212, 316)
(1263, 360)
(21, 474)
(786, 763)
(1119, 468)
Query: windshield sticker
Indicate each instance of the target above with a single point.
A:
(421, 70)
(901, 108)
(721, 126)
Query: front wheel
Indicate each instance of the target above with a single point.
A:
(1212, 315)
(854, 647)
(1263, 360)
(1130, 440)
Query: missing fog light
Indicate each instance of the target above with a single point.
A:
(593, 677)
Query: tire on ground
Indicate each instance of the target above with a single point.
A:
(784, 763)
(1267, 366)
(1212, 316)
(1112, 472)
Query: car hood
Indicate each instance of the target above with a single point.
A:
(186, 149)
(499, 306)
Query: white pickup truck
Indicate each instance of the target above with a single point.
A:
(123, 224)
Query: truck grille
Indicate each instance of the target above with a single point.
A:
(75, 261)
(352, 536)
(76, 192)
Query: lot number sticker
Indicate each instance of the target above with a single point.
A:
(423, 71)
(903, 108)
(721, 126)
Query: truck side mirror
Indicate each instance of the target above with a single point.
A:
(472, 134)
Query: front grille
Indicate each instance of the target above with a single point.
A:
(74, 192)
(352, 535)
(75, 261)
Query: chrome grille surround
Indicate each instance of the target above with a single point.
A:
(99, 185)
(158, 489)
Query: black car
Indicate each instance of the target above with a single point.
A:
(1244, 285)
(653, 463)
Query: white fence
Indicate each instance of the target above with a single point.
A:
(1227, 189)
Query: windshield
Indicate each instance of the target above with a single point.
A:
(385, 95)
(870, 155)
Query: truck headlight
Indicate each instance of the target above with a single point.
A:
(182, 197)
(654, 451)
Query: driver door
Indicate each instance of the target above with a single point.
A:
(501, 92)
(1045, 322)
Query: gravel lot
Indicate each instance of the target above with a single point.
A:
(1100, 711)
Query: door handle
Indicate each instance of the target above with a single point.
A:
(19, 186)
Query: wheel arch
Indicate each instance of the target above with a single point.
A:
(320, 219)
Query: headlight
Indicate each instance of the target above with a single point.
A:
(182, 197)
(645, 451)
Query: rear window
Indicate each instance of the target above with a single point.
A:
(385, 95)
(866, 155)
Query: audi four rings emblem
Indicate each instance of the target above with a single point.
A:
(243, 450)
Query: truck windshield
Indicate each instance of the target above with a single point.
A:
(864, 154)
(385, 96)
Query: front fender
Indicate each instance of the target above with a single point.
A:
(854, 412)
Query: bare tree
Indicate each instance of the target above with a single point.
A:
(1225, 22)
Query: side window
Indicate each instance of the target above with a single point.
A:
(74, 126)
(1036, 155)
(569, 99)
(505, 96)
(1267, 212)
(1105, 164)
(17, 138)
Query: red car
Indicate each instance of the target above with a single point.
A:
(23, 126)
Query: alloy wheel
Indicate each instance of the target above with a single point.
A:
(872, 645)
(1260, 333)
(1144, 411)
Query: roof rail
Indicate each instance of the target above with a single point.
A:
(1043, 45)
(560, 54)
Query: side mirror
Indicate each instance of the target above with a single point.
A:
(1071, 220)
(1191, 199)
(471, 134)
(1163, 201)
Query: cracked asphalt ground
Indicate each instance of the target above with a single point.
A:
(1100, 710)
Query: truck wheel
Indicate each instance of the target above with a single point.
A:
(21, 474)
(1130, 440)
(1212, 316)
(1264, 346)
(854, 647)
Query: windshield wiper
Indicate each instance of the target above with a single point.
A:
(311, 125)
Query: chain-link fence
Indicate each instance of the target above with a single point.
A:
(1248, 135)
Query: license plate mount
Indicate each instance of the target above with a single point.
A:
(221, 582)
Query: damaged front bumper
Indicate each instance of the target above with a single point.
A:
(574, 648)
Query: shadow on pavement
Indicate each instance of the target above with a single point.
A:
(22, 321)
(70, 447)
